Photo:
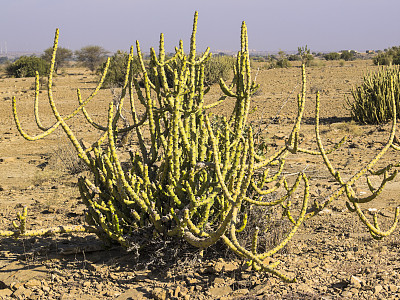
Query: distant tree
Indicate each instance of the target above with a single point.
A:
(26, 66)
(91, 56)
(116, 72)
(332, 56)
(294, 57)
(282, 61)
(390, 56)
(347, 55)
(305, 54)
(3, 60)
(62, 56)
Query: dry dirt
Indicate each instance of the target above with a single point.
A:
(333, 256)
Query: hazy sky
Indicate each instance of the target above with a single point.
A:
(29, 25)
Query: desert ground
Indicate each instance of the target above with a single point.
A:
(333, 256)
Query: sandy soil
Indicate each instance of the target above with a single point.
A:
(333, 255)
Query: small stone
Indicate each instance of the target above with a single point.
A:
(240, 293)
(159, 294)
(192, 280)
(177, 291)
(22, 293)
(354, 291)
(377, 289)
(230, 266)
(219, 281)
(5, 293)
(32, 283)
(219, 266)
(393, 288)
(220, 291)
(356, 281)
(347, 294)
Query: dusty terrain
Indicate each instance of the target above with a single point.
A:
(333, 256)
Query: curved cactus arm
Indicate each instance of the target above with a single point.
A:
(21, 231)
(262, 192)
(207, 239)
(121, 176)
(319, 206)
(289, 192)
(36, 104)
(249, 255)
(375, 193)
(374, 228)
(86, 114)
(262, 163)
(335, 147)
(23, 133)
(50, 231)
(217, 161)
(298, 222)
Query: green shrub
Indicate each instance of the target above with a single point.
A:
(294, 57)
(390, 56)
(347, 55)
(62, 57)
(305, 55)
(218, 67)
(116, 72)
(332, 56)
(27, 66)
(4, 60)
(372, 100)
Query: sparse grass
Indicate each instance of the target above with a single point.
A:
(350, 128)
(64, 158)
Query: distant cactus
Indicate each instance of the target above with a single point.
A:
(190, 177)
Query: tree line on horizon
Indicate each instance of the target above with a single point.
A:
(93, 57)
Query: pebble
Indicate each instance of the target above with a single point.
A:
(377, 289)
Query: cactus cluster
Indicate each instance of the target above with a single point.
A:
(189, 177)
(372, 101)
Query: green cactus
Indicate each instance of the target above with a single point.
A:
(192, 179)
(372, 101)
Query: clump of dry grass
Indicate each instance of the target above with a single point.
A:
(64, 158)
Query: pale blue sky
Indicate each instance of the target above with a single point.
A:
(272, 25)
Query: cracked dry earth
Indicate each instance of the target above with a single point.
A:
(332, 255)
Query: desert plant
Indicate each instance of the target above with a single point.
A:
(372, 101)
(218, 67)
(347, 55)
(91, 56)
(192, 176)
(332, 56)
(305, 55)
(390, 56)
(282, 61)
(27, 66)
(63, 55)
(116, 71)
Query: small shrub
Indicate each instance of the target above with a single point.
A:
(332, 56)
(305, 55)
(26, 66)
(3, 60)
(372, 100)
(116, 73)
(218, 67)
(390, 56)
(91, 56)
(62, 57)
(383, 59)
(347, 55)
